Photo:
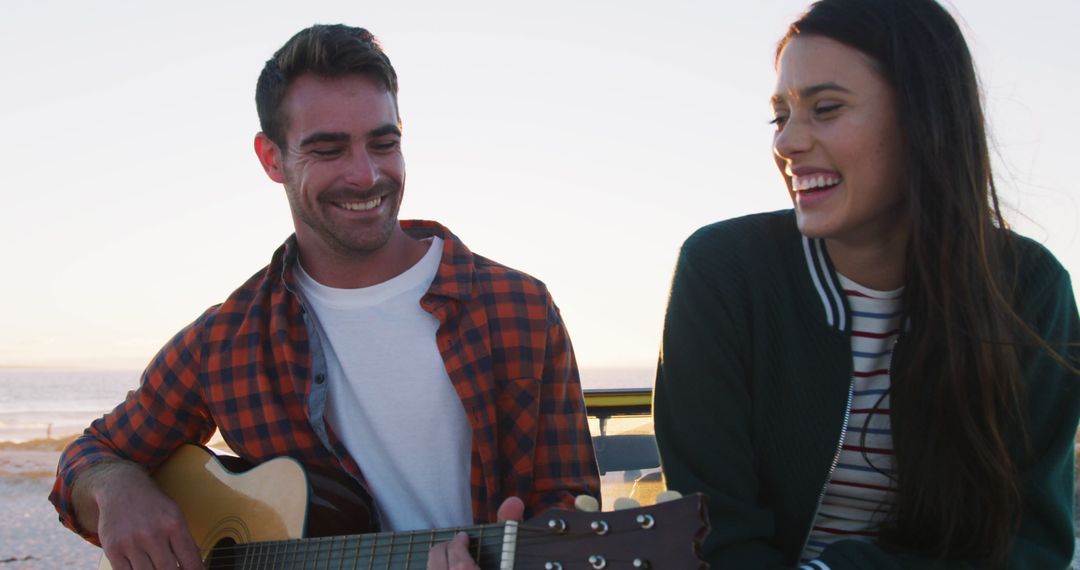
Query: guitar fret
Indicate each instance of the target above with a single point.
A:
(340, 551)
(430, 543)
(479, 543)
(371, 560)
(390, 552)
(302, 553)
(295, 550)
(340, 554)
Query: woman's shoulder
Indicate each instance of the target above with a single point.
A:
(1041, 288)
(752, 236)
(1034, 256)
(1036, 268)
(745, 251)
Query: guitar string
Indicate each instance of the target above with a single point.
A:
(357, 542)
(492, 560)
(528, 537)
(332, 560)
(485, 560)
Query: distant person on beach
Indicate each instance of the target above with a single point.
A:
(442, 381)
(885, 376)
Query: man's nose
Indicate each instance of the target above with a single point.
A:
(362, 170)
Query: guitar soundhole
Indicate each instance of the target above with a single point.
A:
(223, 556)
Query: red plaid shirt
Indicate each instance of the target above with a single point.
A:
(250, 368)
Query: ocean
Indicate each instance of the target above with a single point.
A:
(58, 402)
(55, 402)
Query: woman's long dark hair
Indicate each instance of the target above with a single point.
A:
(956, 402)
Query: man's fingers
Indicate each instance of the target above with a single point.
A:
(512, 509)
(118, 562)
(161, 556)
(140, 561)
(458, 557)
(437, 557)
(126, 555)
(186, 551)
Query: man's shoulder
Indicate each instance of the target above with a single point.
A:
(494, 277)
(253, 297)
(471, 271)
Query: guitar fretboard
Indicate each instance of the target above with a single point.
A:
(492, 546)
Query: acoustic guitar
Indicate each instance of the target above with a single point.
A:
(279, 515)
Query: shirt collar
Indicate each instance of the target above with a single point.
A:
(453, 279)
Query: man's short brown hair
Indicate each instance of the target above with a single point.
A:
(324, 50)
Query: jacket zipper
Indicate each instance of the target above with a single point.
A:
(835, 462)
(843, 436)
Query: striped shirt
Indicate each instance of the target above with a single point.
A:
(861, 489)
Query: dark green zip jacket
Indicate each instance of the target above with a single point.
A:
(753, 390)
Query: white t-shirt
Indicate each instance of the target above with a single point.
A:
(390, 399)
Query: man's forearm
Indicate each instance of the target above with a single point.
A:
(92, 484)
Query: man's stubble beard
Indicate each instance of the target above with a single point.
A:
(338, 239)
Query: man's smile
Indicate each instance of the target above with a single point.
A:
(360, 206)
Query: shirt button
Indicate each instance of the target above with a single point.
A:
(320, 378)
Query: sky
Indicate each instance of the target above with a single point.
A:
(579, 141)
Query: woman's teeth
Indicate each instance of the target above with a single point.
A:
(814, 182)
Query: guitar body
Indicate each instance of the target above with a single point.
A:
(240, 504)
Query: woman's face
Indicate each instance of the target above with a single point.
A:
(837, 142)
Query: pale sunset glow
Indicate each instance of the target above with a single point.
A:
(578, 141)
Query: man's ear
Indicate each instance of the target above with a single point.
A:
(270, 156)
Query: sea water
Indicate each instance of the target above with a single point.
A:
(54, 402)
(57, 402)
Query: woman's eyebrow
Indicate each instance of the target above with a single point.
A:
(812, 90)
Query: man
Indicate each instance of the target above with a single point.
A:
(443, 382)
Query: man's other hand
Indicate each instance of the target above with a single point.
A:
(454, 555)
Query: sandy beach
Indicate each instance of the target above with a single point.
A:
(34, 539)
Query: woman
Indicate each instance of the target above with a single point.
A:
(886, 376)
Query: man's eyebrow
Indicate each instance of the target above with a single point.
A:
(385, 130)
(812, 90)
(322, 137)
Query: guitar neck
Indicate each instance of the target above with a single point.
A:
(492, 546)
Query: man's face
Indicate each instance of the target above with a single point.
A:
(342, 166)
